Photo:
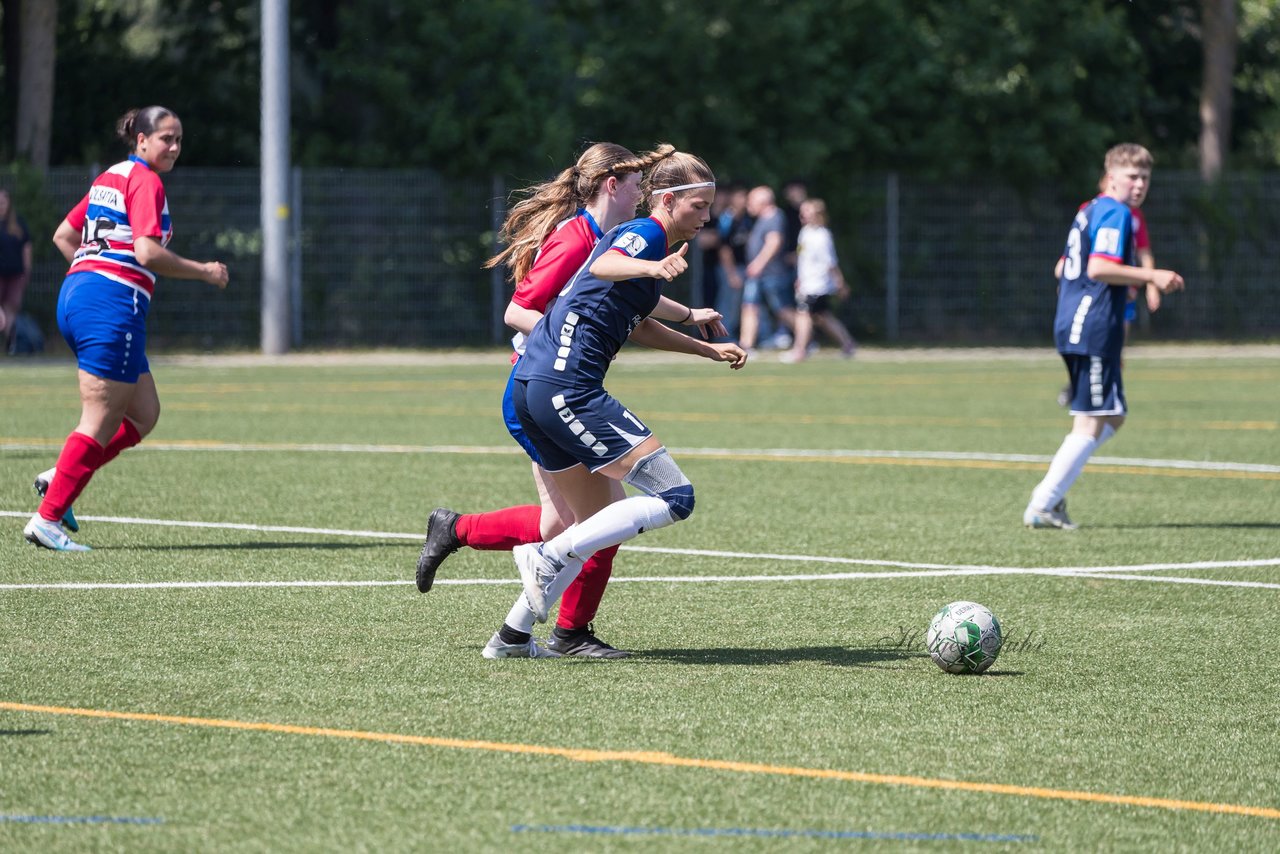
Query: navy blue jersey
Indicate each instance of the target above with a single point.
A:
(591, 319)
(1090, 316)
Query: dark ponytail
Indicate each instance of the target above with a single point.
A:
(140, 121)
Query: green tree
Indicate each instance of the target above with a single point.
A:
(461, 86)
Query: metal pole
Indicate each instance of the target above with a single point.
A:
(275, 177)
(891, 272)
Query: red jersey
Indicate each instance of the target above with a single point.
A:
(1141, 239)
(562, 254)
(124, 203)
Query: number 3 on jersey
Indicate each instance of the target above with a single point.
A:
(1071, 266)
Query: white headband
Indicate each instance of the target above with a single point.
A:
(684, 187)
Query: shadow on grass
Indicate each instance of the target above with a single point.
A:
(255, 546)
(6, 732)
(834, 656)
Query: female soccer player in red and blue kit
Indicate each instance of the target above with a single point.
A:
(587, 440)
(115, 240)
(1095, 272)
(549, 236)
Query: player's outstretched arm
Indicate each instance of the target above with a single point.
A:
(651, 333)
(709, 321)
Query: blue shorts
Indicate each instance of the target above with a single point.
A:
(776, 291)
(513, 421)
(1130, 311)
(1096, 385)
(105, 325)
(575, 426)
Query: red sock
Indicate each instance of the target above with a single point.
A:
(581, 599)
(500, 530)
(126, 437)
(80, 457)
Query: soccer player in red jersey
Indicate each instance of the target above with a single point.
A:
(549, 236)
(115, 240)
(587, 439)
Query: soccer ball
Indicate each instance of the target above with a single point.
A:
(964, 637)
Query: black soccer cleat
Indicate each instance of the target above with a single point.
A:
(442, 541)
(582, 642)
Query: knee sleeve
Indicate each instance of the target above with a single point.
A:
(659, 476)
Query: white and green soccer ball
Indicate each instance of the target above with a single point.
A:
(964, 637)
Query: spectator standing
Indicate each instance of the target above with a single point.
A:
(734, 227)
(794, 193)
(15, 264)
(770, 282)
(818, 280)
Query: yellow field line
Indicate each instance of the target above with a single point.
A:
(663, 759)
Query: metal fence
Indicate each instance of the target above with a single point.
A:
(934, 263)
(393, 259)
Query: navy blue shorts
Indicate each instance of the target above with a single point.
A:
(1096, 385)
(105, 325)
(572, 426)
(513, 421)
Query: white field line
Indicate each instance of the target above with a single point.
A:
(914, 570)
(767, 453)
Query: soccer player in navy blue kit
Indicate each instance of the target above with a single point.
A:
(585, 438)
(1094, 274)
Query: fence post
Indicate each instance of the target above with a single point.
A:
(295, 255)
(891, 272)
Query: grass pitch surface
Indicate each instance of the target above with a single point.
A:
(157, 694)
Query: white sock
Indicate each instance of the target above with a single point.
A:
(520, 617)
(562, 581)
(1067, 464)
(1107, 432)
(616, 523)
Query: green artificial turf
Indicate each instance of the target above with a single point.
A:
(742, 691)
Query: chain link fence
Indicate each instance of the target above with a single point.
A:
(973, 265)
(393, 259)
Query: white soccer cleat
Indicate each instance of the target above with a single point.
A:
(495, 648)
(49, 535)
(537, 571)
(42, 486)
(1055, 517)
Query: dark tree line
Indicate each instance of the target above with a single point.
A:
(764, 89)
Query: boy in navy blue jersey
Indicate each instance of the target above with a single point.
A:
(1094, 274)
